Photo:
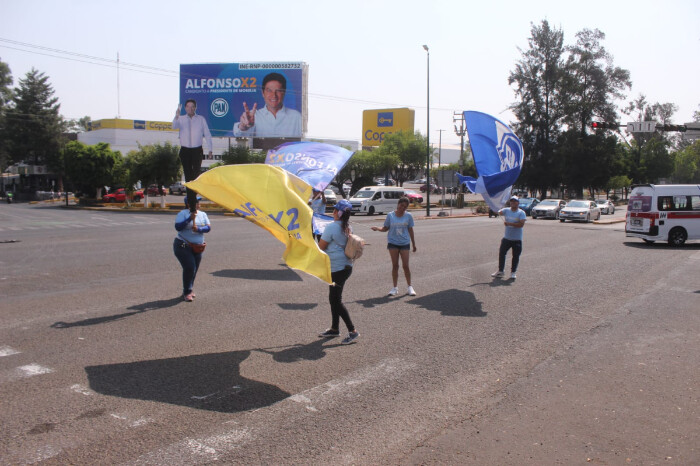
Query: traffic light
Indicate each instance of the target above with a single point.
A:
(680, 128)
(604, 125)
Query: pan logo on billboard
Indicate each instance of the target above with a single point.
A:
(219, 107)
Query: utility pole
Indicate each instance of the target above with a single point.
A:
(461, 131)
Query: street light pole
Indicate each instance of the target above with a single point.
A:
(427, 161)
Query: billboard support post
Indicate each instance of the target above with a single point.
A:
(427, 145)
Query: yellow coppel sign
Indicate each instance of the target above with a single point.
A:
(378, 123)
(118, 123)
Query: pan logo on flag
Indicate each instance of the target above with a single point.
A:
(219, 107)
(385, 119)
(508, 147)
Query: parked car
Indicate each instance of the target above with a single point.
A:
(120, 196)
(606, 206)
(528, 203)
(413, 196)
(177, 188)
(331, 198)
(579, 210)
(549, 208)
(154, 190)
(418, 181)
(433, 188)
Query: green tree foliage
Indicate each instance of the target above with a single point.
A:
(241, 154)
(33, 124)
(687, 164)
(89, 168)
(591, 82)
(407, 153)
(6, 94)
(361, 169)
(537, 79)
(156, 163)
(655, 161)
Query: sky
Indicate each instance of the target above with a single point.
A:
(361, 55)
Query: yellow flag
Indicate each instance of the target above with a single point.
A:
(275, 200)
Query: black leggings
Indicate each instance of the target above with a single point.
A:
(506, 244)
(191, 159)
(335, 297)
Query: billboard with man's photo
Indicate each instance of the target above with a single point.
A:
(259, 100)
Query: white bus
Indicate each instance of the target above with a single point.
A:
(668, 212)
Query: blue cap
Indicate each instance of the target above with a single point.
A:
(199, 198)
(343, 206)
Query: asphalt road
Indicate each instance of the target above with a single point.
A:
(102, 362)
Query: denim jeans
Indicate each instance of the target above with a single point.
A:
(189, 262)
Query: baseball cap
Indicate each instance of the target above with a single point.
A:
(342, 206)
(514, 198)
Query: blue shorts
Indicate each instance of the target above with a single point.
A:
(400, 247)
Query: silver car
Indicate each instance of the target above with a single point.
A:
(606, 207)
(579, 210)
(549, 208)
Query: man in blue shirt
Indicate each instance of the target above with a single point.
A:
(514, 220)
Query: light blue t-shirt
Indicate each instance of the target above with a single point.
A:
(398, 228)
(318, 206)
(336, 239)
(512, 233)
(186, 233)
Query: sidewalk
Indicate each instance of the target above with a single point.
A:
(626, 392)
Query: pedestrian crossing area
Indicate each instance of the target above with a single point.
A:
(65, 225)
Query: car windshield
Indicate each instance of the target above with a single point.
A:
(525, 202)
(577, 204)
(602, 202)
(408, 191)
(364, 194)
(548, 203)
(328, 192)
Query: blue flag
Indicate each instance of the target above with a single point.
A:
(319, 222)
(314, 162)
(498, 156)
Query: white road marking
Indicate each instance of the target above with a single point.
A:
(30, 370)
(202, 450)
(82, 389)
(7, 351)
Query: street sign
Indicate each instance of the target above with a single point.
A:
(447, 179)
(641, 127)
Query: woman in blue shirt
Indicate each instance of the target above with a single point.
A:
(333, 242)
(399, 224)
(190, 227)
(318, 205)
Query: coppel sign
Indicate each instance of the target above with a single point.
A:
(223, 91)
(376, 124)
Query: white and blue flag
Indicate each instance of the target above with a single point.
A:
(498, 156)
(314, 162)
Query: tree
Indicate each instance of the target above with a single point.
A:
(156, 163)
(361, 169)
(591, 82)
(6, 94)
(687, 164)
(240, 155)
(539, 111)
(77, 126)
(33, 126)
(406, 154)
(90, 168)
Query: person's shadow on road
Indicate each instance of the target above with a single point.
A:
(294, 353)
(210, 382)
(451, 302)
(137, 309)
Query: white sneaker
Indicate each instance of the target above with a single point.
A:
(394, 291)
(513, 276)
(411, 291)
(497, 274)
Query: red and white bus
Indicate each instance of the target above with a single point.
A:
(667, 212)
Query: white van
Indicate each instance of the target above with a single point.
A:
(376, 199)
(668, 212)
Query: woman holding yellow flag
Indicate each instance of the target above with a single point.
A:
(333, 242)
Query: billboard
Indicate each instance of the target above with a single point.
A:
(115, 123)
(378, 123)
(230, 96)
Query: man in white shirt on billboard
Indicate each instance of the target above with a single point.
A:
(273, 120)
(192, 129)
